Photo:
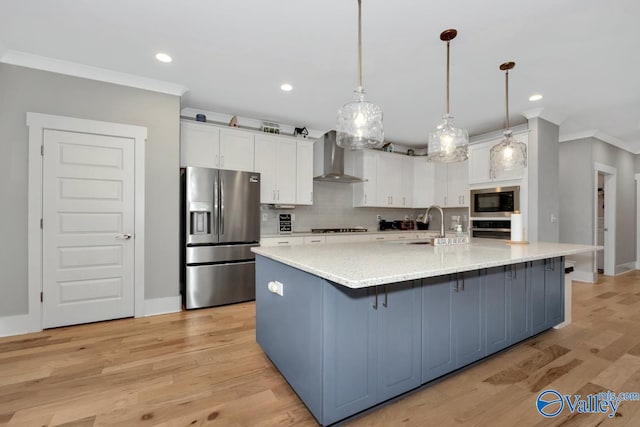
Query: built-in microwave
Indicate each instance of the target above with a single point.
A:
(495, 202)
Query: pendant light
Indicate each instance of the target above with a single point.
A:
(508, 155)
(359, 122)
(448, 143)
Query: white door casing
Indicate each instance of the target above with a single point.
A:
(136, 135)
(88, 233)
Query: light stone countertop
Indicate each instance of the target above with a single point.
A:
(360, 265)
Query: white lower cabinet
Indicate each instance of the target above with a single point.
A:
(282, 241)
(314, 240)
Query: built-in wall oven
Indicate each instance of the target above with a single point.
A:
(491, 210)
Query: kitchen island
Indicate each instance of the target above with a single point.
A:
(353, 325)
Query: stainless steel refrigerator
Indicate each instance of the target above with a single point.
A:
(220, 223)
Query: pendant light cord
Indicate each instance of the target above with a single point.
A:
(360, 44)
(448, 77)
(506, 101)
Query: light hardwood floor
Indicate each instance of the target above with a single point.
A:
(204, 368)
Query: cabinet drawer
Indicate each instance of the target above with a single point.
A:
(314, 240)
(281, 241)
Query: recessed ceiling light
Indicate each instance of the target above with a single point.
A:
(163, 57)
(535, 97)
(286, 87)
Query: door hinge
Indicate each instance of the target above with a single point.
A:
(42, 150)
(41, 223)
(41, 297)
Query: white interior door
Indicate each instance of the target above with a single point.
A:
(88, 228)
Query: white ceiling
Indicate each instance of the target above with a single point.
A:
(232, 56)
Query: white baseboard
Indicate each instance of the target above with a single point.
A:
(162, 305)
(17, 325)
(585, 276)
(625, 268)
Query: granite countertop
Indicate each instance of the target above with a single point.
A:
(360, 265)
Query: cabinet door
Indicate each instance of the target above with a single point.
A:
(517, 283)
(199, 145)
(265, 162)
(286, 171)
(423, 183)
(365, 165)
(437, 334)
(554, 290)
(236, 150)
(389, 179)
(467, 319)
(407, 181)
(399, 349)
(538, 302)
(350, 351)
(479, 163)
(304, 173)
(458, 184)
(440, 184)
(496, 310)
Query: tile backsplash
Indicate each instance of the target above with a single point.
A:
(333, 208)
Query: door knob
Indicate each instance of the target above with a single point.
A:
(123, 236)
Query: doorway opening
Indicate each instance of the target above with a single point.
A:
(604, 219)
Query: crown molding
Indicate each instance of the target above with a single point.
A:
(38, 62)
(545, 114)
(597, 134)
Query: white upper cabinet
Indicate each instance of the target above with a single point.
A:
(304, 173)
(236, 150)
(480, 162)
(407, 181)
(451, 184)
(199, 145)
(275, 159)
(389, 177)
(423, 182)
(209, 146)
(363, 164)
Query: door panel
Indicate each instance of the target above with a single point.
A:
(495, 309)
(88, 233)
(437, 333)
(538, 301)
(239, 206)
(202, 206)
(467, 319)
(519, 327)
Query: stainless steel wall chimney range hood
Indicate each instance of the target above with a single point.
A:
(333, 157)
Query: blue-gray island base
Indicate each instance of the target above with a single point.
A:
(344, 350)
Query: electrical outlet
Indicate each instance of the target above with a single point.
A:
(378, 217)
(276, 288)
(553, 218)
(406, 217)
(293, 217)
(264, 216)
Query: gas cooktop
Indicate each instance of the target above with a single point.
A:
(339, 230)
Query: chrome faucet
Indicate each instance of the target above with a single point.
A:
(426, 218)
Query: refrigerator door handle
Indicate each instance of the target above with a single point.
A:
(221, 206)
(214, 218)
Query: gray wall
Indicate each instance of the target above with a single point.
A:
(637, 163)
(333, 208)
(25, 90)
(624, 162)
(543, 167)
(577, 197)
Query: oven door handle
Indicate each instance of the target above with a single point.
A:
(490, 229)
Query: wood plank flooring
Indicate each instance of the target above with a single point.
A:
(204, 367)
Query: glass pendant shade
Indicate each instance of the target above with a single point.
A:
(507, 156)
(359, 124)
(448, 143)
